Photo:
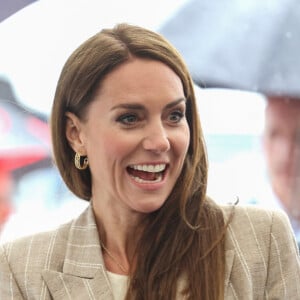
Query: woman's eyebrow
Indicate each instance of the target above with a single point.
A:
(176, 102)
(137, 106)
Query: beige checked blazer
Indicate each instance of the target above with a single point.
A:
(262, 260)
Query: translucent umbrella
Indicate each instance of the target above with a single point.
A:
(247, 44)
(9, 7)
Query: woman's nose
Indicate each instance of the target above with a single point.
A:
(156, 139)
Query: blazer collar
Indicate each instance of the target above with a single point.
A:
(83, 255)
(83, 273)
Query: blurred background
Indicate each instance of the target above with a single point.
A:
(239, 52)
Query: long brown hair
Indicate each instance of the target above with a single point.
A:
(184, 239)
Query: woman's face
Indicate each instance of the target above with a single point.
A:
(136, 136)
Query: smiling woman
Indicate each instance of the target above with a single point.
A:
(127, 137)
(134, 134)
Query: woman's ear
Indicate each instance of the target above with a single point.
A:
(73, 133)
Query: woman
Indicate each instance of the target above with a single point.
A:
(126, 137)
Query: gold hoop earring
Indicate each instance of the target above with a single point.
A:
(77, 161)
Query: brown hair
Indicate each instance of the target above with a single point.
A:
(185, 237)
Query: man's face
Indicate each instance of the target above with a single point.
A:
(282, 149)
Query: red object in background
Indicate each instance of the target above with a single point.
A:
(5, 212)
(6, 194)
(24, 141)
(13, 159)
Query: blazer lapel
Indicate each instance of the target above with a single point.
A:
(229, 257)
(83, 275)
(65, 286)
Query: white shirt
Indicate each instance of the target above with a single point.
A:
(119, 285)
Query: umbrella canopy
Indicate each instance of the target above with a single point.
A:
(24, 136)
(9, 7)
(245, 44)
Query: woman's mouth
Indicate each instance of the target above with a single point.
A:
(147, 173)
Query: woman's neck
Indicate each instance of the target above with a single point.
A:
(119, 233)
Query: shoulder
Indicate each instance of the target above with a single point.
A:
(46, 249)
(23, 260)
(264, 253)
(256, 227)
(35, 250)
(255, 216)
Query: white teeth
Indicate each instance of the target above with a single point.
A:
(149, 168)
(140, 180)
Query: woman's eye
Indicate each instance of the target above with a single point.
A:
(176, 116)
(128, 119)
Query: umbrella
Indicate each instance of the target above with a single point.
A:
(245, 44)
(24, 136)
(9, 7)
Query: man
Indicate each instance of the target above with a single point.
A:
(281, 145)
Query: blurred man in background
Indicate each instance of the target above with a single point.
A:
(281, 145)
